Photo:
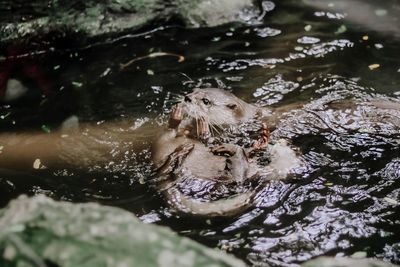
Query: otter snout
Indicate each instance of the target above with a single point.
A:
(187, 99)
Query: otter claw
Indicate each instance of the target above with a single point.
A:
(224, 149)
(262, 142)
(184, 149)
(203, 129)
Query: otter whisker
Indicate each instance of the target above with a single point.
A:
(214, 128)
(173, 93)
(187, 76)
(197, 126)
(176, 95)
(211, 129)
(177, 98)
(195, 116)
(173, 98)
(175, 101)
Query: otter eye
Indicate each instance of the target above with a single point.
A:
(206, 101)
(231, 106)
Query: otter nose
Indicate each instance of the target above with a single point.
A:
(187, 99)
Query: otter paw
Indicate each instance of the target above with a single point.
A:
(176, 116)
(224, 150)
(175, 159)
(203, 129)
(184, 149)
(262, 142)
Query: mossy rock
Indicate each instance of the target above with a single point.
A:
(41, 232)
(91, 18)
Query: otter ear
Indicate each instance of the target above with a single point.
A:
(232, 106)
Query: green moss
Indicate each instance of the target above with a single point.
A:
(38, 230)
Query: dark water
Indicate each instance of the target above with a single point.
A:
(345, 200)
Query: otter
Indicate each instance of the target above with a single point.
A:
(183, 152)
(199, 171)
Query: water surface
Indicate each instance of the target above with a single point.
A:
(344, 201)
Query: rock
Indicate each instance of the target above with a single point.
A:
(69, 124)
(41, 232)
(94, 18)
(14, 90)
(345, 262)
(214, 12)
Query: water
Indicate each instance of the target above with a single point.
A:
(346, 199)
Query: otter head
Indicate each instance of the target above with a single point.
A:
(217, 106)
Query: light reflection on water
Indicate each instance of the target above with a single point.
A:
(345, 200)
